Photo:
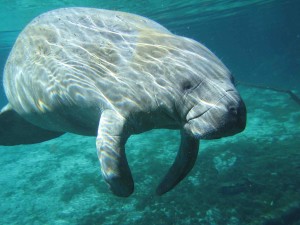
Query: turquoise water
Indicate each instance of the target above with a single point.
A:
(251, 178)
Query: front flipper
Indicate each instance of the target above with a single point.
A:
(14, 130)
(184, 162)
(111, 141)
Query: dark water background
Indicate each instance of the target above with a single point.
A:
(251, 178)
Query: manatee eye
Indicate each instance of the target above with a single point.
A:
(186, 85)
(232, 80)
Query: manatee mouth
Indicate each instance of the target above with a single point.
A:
(194, 120)
(200, 109)
(192, 117)
(198, 127)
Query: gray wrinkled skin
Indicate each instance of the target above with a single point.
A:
(113, 74)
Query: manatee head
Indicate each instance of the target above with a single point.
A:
(210, 106)
(218, 114)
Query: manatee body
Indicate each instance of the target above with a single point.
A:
(112, 74)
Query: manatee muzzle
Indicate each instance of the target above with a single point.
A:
(224, 118)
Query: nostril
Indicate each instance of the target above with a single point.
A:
(233, 110)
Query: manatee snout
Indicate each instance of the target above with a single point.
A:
(223, 118)
(237, 115)
(234, 119)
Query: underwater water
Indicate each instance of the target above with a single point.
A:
(249, 178)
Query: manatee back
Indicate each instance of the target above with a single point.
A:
(74, 60)
(69, 48)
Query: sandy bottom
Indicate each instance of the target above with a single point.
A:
(251, 178)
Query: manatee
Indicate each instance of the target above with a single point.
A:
(112, 74)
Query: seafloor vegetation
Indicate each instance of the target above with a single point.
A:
(251, 178)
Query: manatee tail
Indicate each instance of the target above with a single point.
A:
(14, 130)
(184, 162)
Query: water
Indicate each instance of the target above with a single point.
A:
(250, 178)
